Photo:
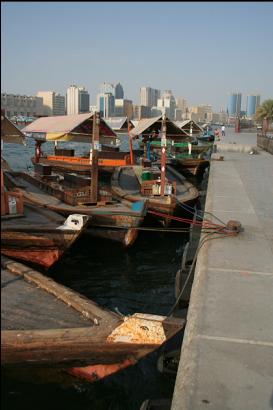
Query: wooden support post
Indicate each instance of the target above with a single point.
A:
(130, 143)
(95, 156)
(163, 155)
(38, 151)
(4, 209)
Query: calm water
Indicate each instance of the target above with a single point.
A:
(140, 279)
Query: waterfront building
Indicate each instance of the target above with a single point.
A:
(54, 104)
(234, 104)
(119, 92)
(106, 104)
(77, 100)
(219, 117)
(149, 96)
(252, 103)
(123, 108)
(22, 105)
(200, 113)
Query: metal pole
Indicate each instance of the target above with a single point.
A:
(163, 154)
(95, 157)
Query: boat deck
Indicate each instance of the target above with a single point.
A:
(32, 192)
(25, 306)
(130, 184)
(47, 324)
(34, 216)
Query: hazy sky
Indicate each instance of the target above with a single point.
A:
(201, 50)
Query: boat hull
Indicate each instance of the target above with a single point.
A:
(195, 167)
(115, 222)
(167, 204)
(44, 248)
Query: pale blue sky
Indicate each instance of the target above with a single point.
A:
(200, 50)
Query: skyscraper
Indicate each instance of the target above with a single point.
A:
(234, 104)
(77, 100)
(252, 103)
(107, 88)
(167, 104)
(119, 93)
(106, 104)
(149, 96)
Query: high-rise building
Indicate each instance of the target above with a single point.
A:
(119, 93)
(106, 104)
(167, 104)
(181, 103)
(234, 104)
(77, 100)
(155, 95)
(149, 96)
(123, 108)
(107, 88)
(54, 104)
(252, 103)
(178, 114)
(141, 111)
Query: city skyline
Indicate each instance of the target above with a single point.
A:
(217, 49)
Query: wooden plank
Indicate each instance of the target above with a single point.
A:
(66, 348)
(85, 306)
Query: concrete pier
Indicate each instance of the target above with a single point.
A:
(227, 355)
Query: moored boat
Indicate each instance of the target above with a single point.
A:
(111, 220)
(128, 183)
(192, 166)
(50, 331)
(39, 236)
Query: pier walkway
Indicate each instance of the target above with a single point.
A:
(227, 355)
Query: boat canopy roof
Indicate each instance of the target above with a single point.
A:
(10, 133)
(147, 125)
(187, 125)
(134, 122)
(117, 123)
(77, 128)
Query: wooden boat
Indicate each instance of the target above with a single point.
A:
(192, 166)
(50, 331)
(38, 235)
(107, 161)
(115, 221)
(127, 183)
(77, 128)
(206, 137)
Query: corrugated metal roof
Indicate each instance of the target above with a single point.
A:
(116, 123)
(67, 127)
(10, 133)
